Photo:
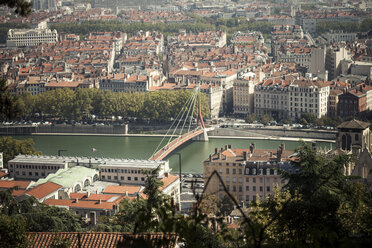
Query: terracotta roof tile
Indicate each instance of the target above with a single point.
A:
(11, 184)
(101, 239)
(43, 190)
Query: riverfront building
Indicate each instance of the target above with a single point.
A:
(248, 174)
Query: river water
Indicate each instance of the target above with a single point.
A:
(192, 153)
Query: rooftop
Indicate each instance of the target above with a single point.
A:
(354, 124)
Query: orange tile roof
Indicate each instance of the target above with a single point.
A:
(168, 180)
(100, 239)
(3, 174)
(81, 204)
(11, 184)
(131, 189)
(43, 190)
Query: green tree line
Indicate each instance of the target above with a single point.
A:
(326, 26)
(75, 104)
(202, 24)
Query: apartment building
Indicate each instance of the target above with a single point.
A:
(248, 173)
(244, 94)
(30, 37)
(271, 97)
(306, 96)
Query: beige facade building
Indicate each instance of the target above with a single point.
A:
(243, 95)
(306, 96)
(271, 98)
(248, 173)
(30, 37)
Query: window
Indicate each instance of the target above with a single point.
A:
(109, 177)
(268, 188)
(240, 171)
(234, 171)
(228, 187)
(254, 180)
(247, 179)
(240, 180)
(240, 189)
(227, 179)
(254, 188)
(247, 197)
(246, 188)
(234, 188)
(260, 179)
(254, 198)
(142, 179)
(36, 173)
(30, 173)
(135, 178)
(116, 177)
(261, 188)
(121, 178)
(129, 178)
(227, 171)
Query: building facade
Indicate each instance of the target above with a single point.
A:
(30, 37)
(248, 174)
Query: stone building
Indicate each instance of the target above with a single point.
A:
(248, 173)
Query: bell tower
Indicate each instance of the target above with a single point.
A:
(354, 136)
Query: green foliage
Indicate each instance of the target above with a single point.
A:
(265, 119)
(9, 106)
(326, 26)
(74, 105)
(12, 147)
(21, 7)
(13, 231)
(251, 118)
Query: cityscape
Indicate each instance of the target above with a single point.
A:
(163, 123)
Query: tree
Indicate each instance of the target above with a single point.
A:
(210, 205)
(12, 147)
(22, 7)
(9, 106)
(265, 119)
(13, 231)
(251, 118)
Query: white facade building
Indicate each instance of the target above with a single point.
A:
(306, 96)
(30, 37)
(130, 171)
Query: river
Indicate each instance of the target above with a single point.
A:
(192, 153)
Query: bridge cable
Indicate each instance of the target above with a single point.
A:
(183, 113)
(188, 114)
(170, 128)
(191, 116)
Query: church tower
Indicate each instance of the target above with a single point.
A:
(354, 136)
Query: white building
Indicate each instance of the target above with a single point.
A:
(244, 94)
(130, 171)
(30, 37)
(336, 37)
(306, 96)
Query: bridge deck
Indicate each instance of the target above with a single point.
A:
(163, 152)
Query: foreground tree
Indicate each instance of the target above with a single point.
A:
(22, 7)
(12, 147)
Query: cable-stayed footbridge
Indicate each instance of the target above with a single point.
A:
(181, 124)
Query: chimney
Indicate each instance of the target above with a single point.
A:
(88, 194)
(210, 157)
(126, 193)
(76, 200)
(244, 155)
(99, 201)
(215, 150)
(225, 147)
(229, 146)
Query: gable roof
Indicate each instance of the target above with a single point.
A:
(43, 190)
(7, 184)
(354, 124)
(101, 239)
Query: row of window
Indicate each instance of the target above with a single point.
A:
(35, 167)
(36, 174)
(121, 171)
(122, 178)
(240, 188)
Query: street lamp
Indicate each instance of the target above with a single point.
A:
(179, 165)
(59, 152)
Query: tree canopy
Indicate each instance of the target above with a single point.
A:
(21, 7)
